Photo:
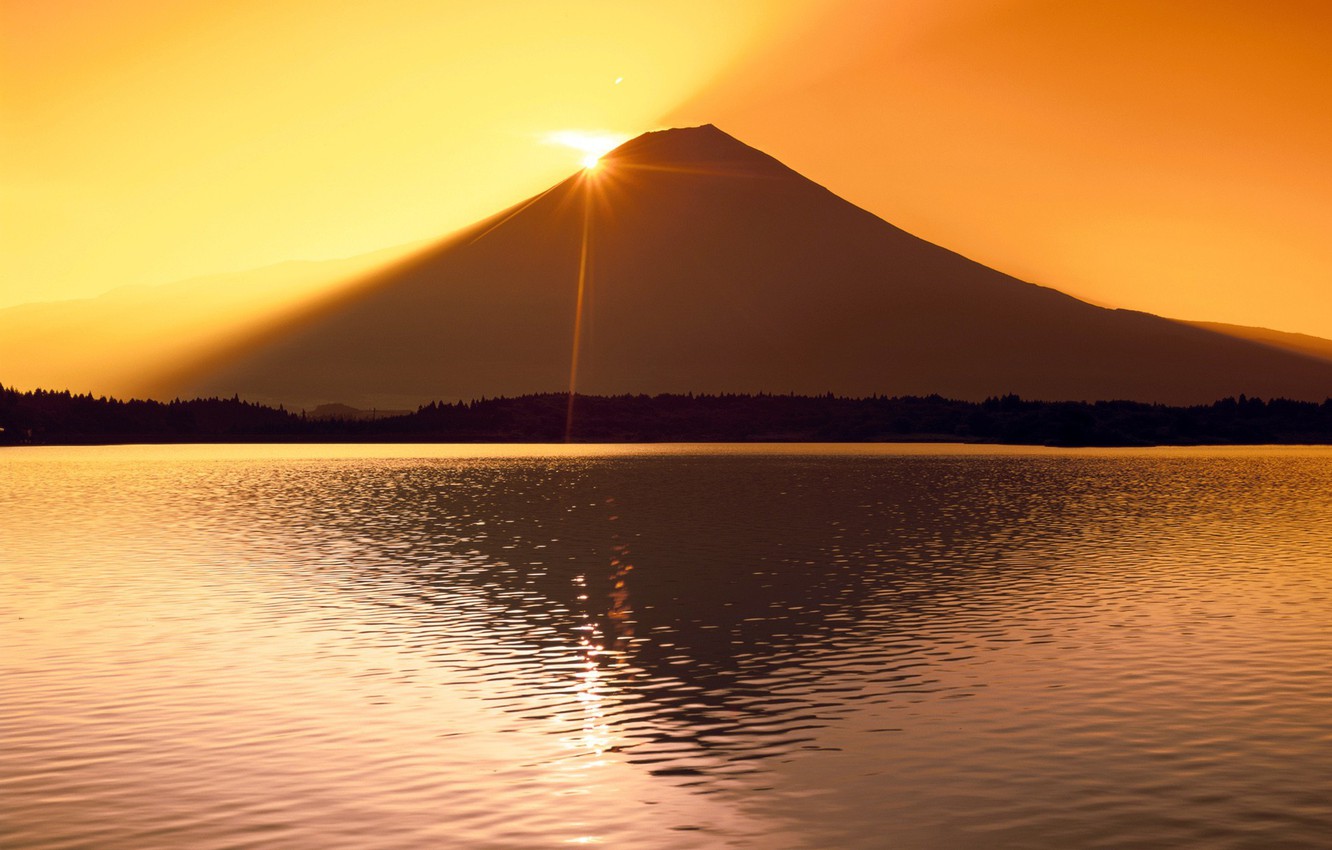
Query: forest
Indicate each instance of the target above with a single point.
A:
(42, 417)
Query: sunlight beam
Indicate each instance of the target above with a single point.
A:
(592, 144)
(578, 313)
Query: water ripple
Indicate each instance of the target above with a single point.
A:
(805, 647)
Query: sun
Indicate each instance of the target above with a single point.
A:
(594, 144)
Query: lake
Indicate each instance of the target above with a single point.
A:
(786, 646)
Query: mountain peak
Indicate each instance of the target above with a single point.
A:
(703, 146)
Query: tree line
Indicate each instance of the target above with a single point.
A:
(42, 417)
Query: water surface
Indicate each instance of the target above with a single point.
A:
(665, 647)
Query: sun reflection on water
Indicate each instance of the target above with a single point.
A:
(599, 665)
(595, 663)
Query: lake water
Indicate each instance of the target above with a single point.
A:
(665, 647)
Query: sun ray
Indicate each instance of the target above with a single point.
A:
(578, 311)
(593, 144)
(504, 218)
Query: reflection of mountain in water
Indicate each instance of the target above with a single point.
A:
(760, 604)
(699, 614)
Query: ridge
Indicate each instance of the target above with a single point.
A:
(700, 146)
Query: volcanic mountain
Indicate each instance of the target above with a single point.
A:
(687, 261)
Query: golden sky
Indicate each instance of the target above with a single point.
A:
(150, 140)
(1170, 157)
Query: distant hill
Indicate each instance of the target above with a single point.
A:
(119, 342)
(1309, 346)
(711, 267)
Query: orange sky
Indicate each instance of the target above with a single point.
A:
(1166, 157)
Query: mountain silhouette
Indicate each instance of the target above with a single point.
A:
(699, 264)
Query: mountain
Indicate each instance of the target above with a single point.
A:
(703, 265)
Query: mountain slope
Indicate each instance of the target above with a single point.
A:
(711, 267)
(1309, 346)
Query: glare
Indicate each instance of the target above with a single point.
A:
(593, 144)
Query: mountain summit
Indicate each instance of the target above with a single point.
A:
(687, 261)
(694, 148)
